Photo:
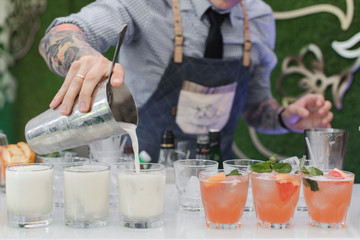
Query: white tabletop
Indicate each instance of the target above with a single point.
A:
(184, 225)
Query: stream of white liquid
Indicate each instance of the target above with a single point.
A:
(131, 130)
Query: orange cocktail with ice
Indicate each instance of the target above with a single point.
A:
(275, 196)
(328, 197)
(223, 197)
(275, 188)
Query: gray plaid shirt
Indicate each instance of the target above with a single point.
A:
(148, 46)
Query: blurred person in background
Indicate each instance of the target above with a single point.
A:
(180, 76)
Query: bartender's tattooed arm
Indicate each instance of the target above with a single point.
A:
(62, 45)
(264, 117)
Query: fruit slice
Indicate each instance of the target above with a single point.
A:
(337, 173)
(287, 186)
(213, 180)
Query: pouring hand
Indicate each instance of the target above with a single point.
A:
(82, 78)
(309, 111)
(67, 52)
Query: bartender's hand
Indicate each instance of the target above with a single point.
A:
(309, 111)
(82, 78)
(66, 45)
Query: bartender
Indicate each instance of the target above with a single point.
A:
(191, 65)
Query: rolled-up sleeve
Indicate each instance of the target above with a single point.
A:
(102, 21)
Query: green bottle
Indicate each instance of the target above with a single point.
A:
(215, 150)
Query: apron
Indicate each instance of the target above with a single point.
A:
(194, 95)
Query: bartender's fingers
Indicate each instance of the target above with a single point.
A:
(74, 69)
(117, 77)
(72, 92)
(94, 76)
(75, 86)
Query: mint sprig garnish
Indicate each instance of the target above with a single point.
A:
(282, 167)
(263, 167)
(271, 165)
(312, 171)
(234, 172)
(312, 184)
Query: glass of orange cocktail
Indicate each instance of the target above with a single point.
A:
(223, 197)
(275, 196)
(328, 197)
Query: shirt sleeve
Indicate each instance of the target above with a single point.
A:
(264, 60)
(101, 21)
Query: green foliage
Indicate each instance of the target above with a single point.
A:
(292, 35)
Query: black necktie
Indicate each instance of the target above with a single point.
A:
(214, 41)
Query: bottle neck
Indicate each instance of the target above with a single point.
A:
(167, 156)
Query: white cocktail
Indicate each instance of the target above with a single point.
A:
(86, 195)
(141, 195)
(29, 194)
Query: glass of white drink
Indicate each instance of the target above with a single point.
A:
(86, 195)
(60, 162)
(29, 194)
(141, 195)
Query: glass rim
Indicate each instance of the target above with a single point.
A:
(74, 169)
(259, 175)
(349, 174)
(12, 167)
(326, 130)
(204, 172)
(72, 159)
(241, 159)
(159, 167)
(182, 162)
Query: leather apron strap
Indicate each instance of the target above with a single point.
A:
(179, 38)
(247, 42)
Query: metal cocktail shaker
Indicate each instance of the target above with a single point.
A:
(52, 132)
(328, 146)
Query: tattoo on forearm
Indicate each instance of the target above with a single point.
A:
(61, 48)
(264, 117)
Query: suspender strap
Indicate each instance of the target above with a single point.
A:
(179, 38)
(247, 42)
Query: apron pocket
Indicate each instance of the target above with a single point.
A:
(201, 108)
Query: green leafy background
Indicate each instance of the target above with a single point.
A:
(37, 85)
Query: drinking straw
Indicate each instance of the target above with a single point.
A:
(310, 151)
(122, 145)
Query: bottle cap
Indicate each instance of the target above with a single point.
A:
(167, 139)
(144, 156)
(214, 135)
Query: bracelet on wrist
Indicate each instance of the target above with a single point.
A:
(281, 121)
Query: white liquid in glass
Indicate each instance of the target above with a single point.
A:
(86, 189)
(141, 195)
(29, 190)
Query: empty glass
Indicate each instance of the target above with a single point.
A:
(187, 181)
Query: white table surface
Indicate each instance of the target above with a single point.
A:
(184, 225)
